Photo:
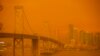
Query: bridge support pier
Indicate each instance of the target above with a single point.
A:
(36, 47)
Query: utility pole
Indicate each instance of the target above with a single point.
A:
(1, 8)
(1, 25)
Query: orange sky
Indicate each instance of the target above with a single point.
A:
(52, 17)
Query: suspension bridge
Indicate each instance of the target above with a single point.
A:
(41, 45)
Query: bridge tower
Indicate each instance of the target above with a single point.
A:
(19, 28)
(18, 43)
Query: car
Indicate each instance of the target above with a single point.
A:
(2, 48)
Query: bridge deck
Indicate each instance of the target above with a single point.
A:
(12, 35)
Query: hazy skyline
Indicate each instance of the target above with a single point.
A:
(52, 17)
